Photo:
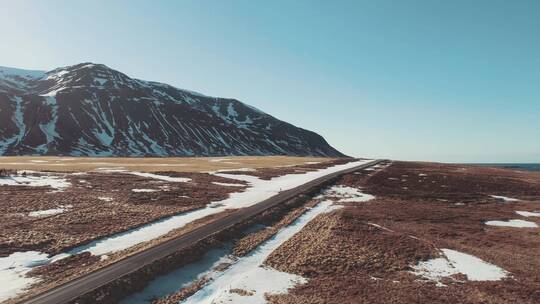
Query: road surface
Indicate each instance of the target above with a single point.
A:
(82, 285)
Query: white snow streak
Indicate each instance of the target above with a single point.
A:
(144, 190)
(513, 223)
(453, 262)
(527, 213)
(36, 181)
(504, 198)
(161, 177)
(228, 184)
(54, 211)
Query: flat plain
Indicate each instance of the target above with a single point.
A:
(152, 164)
(397, 232)
(58, 210)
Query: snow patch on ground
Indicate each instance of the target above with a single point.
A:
(346, 194)
(164, 178)
(161, 177)
(105, 199)
(52, 181)
(228, 184)
(504, 198)
(111, 170)
(144, 190)
(453, 262)
(513, 223)
(527, 213)
(48, 212)
(13, 269)
(217, 160)
(233, 169)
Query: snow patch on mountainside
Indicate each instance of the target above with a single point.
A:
(13, 73)
(49, 128)
(18, 120)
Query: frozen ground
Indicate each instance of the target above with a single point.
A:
(257, 191)
(453, 262)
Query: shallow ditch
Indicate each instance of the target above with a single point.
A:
(223, 276)
(202, 255)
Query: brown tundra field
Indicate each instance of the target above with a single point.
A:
(398, 232)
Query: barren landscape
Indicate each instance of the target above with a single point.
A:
(57, 218)
(406, 233)
(153, 164)
(397, 232)
(382, 251)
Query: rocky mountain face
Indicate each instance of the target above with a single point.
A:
(92, 110)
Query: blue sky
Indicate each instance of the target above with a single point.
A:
(455, 81)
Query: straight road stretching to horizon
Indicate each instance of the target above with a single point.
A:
(82, 285)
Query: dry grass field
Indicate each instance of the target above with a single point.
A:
(364, 253)
(158, 164)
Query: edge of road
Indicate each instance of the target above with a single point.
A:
(152, 254)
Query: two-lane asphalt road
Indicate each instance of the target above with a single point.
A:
(82, 285)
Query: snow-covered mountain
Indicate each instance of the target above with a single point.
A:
(91, 110)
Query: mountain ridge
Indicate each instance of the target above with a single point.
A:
(90, 109)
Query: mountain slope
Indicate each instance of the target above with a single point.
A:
(91, 110)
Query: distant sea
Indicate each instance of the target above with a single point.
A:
(527, 167)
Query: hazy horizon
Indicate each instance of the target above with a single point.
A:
(418, 80)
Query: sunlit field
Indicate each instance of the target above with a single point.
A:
(179, 164)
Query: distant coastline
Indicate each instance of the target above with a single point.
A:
(526, 167)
